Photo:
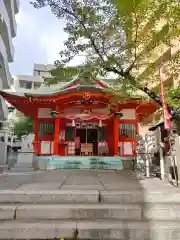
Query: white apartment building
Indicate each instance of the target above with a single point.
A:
(8, 28)
(27, 83)
(8, 10)
(42, 70)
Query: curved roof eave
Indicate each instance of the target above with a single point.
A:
(53, 93)
(63, 91)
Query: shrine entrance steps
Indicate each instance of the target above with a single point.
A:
(114, 205)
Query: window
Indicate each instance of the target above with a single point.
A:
(127, 130)
(37, 85)
(2, 138)
(25, 84)
(69, 135)
(45, 129)
(37, 72)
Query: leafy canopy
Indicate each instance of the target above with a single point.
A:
(23, 126)
(114, 36)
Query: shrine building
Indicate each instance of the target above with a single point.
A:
(81, 126)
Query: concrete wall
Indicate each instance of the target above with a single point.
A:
(3, 153)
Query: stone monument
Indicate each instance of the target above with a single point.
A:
(26, 153)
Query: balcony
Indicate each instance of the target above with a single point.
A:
(11, 13)
(158, 55)
(16, 6)
(3, 109)
(5, 31)
(5, 76)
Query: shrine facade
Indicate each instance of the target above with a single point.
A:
(81, 126)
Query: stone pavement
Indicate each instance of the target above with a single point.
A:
(81, 180)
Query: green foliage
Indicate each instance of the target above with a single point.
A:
(23, 126)
(173, 97)
(65, 73)
(114, 36)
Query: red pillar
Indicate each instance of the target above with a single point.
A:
(35, 129)
(36, 144)
(56, 136)
(116, 136)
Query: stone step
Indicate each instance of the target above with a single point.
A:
(37, 230)
(140, 196)
(22, 167)
(77, 211)
(49, 196)
(128, 230)
(90, 211)
(96, 230)
(25, 170)
(86, 196)
(23, 164)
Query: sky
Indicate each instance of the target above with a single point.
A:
(39, 38)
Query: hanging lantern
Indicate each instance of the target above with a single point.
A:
(73, 123)
(100, 123)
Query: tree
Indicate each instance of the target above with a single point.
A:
(113, 37)
(23, 126)
(173, 97)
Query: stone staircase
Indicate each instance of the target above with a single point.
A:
(89, 214)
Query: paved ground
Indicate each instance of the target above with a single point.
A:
(81, 180)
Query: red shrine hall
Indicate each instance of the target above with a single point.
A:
(82, 120)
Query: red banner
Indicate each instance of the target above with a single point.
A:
(167, 121)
